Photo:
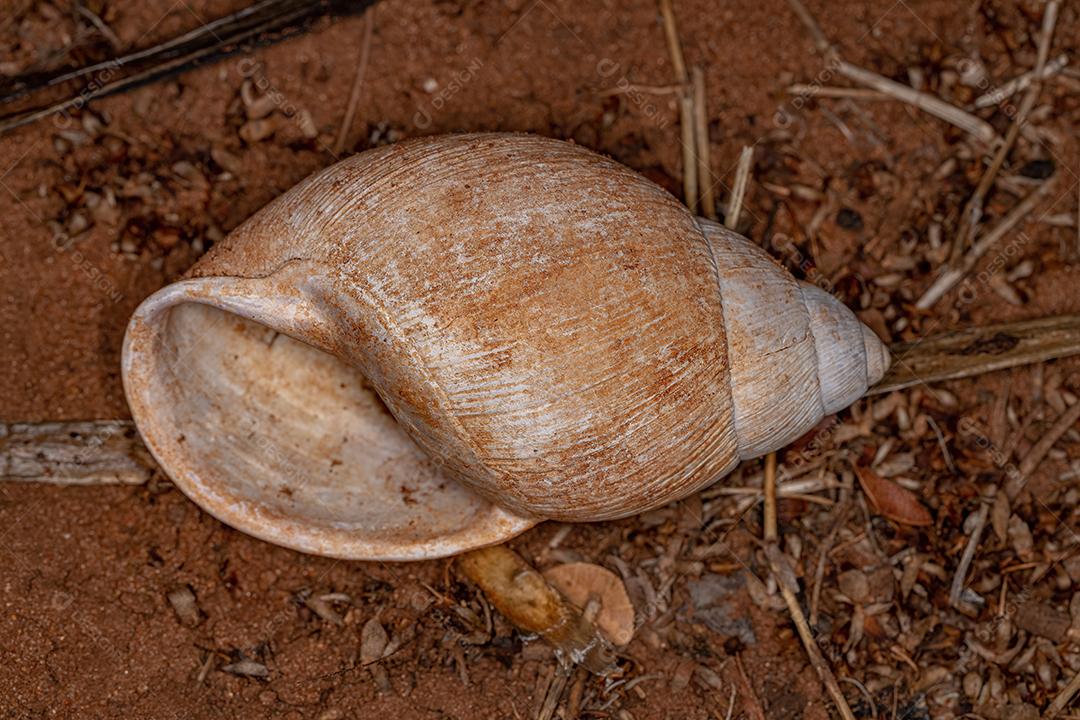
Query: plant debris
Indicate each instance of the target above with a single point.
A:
(523, 595)
(183, 603)
(892, 500)
(586, 583)
(971, 616)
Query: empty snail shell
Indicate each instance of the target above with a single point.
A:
(434, 345)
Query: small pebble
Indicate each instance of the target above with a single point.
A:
(684, 671)
(708, 677)
(77, 223)
(189, 172)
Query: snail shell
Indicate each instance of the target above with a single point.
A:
(553, 336)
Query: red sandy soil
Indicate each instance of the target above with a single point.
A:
(86, 629)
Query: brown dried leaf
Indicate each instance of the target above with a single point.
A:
(247, 668)
(854, 585)
(184, 605)
(373, 641)
(1020, 538)
(891, 500)
(999, 516)
(579, 582)
(684, 671)
(1043, 620)
(323, 609)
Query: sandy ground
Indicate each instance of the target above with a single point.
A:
(105, 205)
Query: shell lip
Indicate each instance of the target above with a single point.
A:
(415, 539)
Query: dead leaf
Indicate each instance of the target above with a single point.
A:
(247, 668)
(183, 603)
(373, 641)
(1020, 538)
(323, 609)
(580, 581)
(999, 516)
(891, 500)
(1043, 620)
(854, 585)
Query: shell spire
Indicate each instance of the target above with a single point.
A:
(795, 352)
(851, 358)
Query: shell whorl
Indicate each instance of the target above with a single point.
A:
(851, 358)
(795, 352)
(543, 321)
(554, 330)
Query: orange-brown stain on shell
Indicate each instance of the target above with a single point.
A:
(602, 292)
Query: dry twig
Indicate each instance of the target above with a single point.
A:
(100, 24)
(526, 599)
(574, 697)
(823, 557)
(1021, 82)
(686, 107)
(262, 23)
(1039, 450)
(358, 83)
(923, 101)
(686, 127)
(554, 692)
(976, 351)
(701, 143)
(926, 102)
(671, 32)
(771, 531)
(752, 706)
(1063, 698)
(956, 590)
(738, 192)
(785, 578)
(950, 276)
(648, 89)
(74, 453)
(974, 208)
(820, 41)
(824, 91)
